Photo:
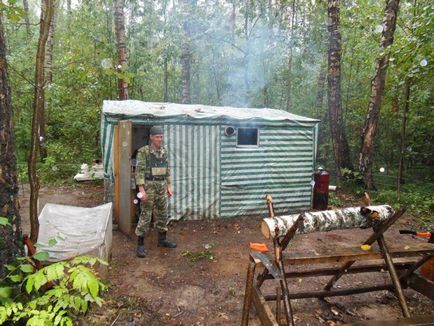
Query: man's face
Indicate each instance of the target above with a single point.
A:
(156, 140)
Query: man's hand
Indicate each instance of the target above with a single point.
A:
(169, 191)
(144, 196)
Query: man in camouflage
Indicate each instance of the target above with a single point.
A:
(154, 183)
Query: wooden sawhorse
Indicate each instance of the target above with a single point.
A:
(264, 267)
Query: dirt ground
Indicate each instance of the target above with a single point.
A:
(169, 288)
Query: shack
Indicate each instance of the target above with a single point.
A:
(223, 160)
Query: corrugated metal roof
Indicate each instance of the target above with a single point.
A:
(196, 111)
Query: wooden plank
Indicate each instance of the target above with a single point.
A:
(332, 293)
(116, 173)
(263, 309)
(124, 148)
(412, 321)
(367, 268)
(355, 254)
(422, 285)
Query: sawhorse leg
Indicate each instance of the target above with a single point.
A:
(393, 276)
(248, 294)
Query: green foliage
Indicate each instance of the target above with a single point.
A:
(199, 255)
(418, 198)
(53, 295)
(12, 11)
(351, 181)
(232, 291)
(239, 56)
(334, 200)
(4, 221)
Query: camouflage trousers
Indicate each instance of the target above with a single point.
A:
(155, 205)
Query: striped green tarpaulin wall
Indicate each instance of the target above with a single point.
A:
(212, 177)
(107, 137)
(194, 153)
(282, 165)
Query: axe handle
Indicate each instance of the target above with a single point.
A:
(407, 232)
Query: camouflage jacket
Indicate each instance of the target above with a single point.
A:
(143, 160)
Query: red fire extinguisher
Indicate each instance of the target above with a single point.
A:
(321, 189)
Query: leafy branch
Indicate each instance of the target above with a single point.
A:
(52, 295)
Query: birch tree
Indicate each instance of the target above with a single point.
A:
(121, 48)
(377, 88)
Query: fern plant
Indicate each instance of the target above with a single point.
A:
(53, 295)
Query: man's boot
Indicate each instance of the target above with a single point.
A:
(141, 252)
(163, 242)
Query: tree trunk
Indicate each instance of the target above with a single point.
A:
(186, 54)
(26, 16)
(215, 77)
(340, 150)
(403, 129)
(68, 12)
(38, 107)
(377, 88)
(289, 80)
(321, 113)
(320, 93)
(166, 80)
(186, 70)
(121, 48)
(48, 80)
(49, 52)
(10, 236)
(345, 218)
(166, 55)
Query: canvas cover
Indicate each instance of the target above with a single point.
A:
(131, 108)
(76, 231)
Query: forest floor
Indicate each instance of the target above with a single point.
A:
(168, 288)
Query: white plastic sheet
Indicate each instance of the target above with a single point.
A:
(76, 231)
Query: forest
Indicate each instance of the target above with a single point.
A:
(362, 67)
(232, 53)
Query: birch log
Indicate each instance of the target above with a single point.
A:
(345, 218)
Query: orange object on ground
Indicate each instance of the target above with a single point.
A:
(261, 247)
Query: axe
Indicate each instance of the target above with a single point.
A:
(429, 235)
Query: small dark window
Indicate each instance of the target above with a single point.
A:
(247, 137)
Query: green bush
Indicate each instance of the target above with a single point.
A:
(334, 200)
(418, 198)
(351, 181)
(53, 295)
